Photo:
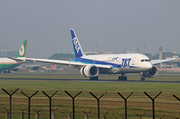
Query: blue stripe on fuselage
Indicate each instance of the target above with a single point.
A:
(89, 61)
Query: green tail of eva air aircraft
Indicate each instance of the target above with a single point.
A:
(11, 62)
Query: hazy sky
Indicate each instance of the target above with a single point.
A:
(112, 25)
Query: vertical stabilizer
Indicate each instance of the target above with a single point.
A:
(22, 50)
(78, 52)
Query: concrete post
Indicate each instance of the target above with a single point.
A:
(37, 113)
(104, 115)
(86, 114)
(6, 114)
(160, 117)
(22, 113)
(140, 115)
(69, 116)
(53, 115)
(37, 116)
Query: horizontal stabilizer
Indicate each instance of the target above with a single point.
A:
(15, 58)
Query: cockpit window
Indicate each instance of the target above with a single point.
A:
(145, 60)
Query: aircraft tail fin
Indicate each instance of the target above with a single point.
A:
(22, 50)
(78, 51)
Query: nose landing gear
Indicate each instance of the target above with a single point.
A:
(142, 76)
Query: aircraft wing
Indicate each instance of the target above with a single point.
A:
(64, 62)
(160, 61)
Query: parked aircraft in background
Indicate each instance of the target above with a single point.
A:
(92, 65)
(31, 66)
(6, 64)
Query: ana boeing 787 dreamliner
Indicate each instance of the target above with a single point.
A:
(92, 65)
(12, 62)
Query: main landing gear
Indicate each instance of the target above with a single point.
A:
(142, 78)
(6, 71)
(122, 78)
(94, 78)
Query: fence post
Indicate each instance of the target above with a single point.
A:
(160, 117)
(29, 102)
(37, 113)
(7, 113)
(10, 95)
(104, 115)
(22, 113)
(153, 99)
(121, 116)
(69, 116)
(178, 100)
(50, 97)
(125, 101)
(140, 115)
(86, 114)
(53, 113)
(73, 101)
(98, 102)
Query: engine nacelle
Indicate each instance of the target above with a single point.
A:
(151, 73)
(89, 71)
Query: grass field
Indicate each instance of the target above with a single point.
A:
(93, 85)
(138, 103)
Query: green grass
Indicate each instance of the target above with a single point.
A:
(98, 88)
(90, 86)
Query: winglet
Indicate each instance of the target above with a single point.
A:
(22, 50)
(78, 52)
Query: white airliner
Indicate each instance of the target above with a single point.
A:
(11, 62)
(92, 65)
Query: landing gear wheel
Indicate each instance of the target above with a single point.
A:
(94, 78)
(142, 78)
(6, 71)
(122, 78)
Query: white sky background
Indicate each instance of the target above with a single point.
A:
(112, 25)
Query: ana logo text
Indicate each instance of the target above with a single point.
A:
(76, 45)
(113, 58)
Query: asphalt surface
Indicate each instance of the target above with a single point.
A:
(86, 80)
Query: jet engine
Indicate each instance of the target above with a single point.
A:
(151, 73)
(89, 71)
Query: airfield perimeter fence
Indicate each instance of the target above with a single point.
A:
(26, 104)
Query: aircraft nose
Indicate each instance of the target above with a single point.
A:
(149, 65)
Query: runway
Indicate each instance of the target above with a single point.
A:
(74, 78)
(85, 80)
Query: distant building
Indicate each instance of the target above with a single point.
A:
(8, 53)
(96, 52)
(167, 55)
(129, 52)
